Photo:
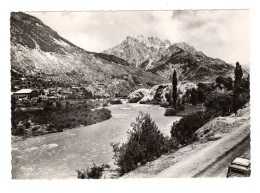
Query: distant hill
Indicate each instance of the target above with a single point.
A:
(37, 50)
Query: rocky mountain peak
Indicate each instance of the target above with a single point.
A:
(139, 49)
(148, 41)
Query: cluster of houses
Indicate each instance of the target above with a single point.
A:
(47, 94)
(44, 94)
(31, 88)
(25, 94)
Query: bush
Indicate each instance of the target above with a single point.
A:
(116, 101)
(18, 130)
(27, 125)
(226, 81)
(170, 112)
(221, 102)
(183, 130)
(164, 104)
(181, 107)
(94, 172)
(241, 93)
(145, 143)
(105, 105)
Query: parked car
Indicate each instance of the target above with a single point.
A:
(239, 167)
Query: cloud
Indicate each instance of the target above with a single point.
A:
(221, 34)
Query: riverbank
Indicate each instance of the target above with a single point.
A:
(58, 155)
(57, 118)
(223, 133)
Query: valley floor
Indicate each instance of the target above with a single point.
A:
(226, 135)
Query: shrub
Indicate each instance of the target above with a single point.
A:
(180, 107)
(194, 97)
(105, 105)
(27, 125)
(241, 93)
(226, 81)
(94, 172)
(221, 102)
(18, 130)
(183, 130)
(170, 112)
(164, 104)
(145, 143)
(116, 101)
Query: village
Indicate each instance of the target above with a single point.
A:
(34, 92)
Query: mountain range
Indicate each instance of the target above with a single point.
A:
(37, 50)
(162, 58)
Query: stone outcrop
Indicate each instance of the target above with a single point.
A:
(137, 95)
(159, 94)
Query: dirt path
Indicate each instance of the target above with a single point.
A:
(197, 161)
(218, 140)
(219, 168)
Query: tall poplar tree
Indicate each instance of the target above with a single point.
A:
(174, 89)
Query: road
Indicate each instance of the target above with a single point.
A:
(220, 167)
(212, 160)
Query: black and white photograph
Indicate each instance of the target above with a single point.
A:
(130, 94)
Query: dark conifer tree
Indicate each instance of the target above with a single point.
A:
(194, 97)
(174, 89)
(238, 77)
(238, 72)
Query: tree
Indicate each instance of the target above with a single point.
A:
(194, 97)
(200, 94)
(183, 131)
(13, 103)
(226, 81)
(237, 90)
(174, 89)
(145, 143)
(220, 102)
(238, 72)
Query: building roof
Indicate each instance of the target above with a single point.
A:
(24, 91)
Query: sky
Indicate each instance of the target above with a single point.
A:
(220, 34)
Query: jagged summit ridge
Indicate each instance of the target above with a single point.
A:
(139, 49)
(149, 41)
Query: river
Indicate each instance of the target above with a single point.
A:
(57, 155)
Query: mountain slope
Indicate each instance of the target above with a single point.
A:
(37, 50)
(140, 51)
(189, 64)
(162, 57)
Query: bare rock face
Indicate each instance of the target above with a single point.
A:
(160, 94)
(137, 95)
